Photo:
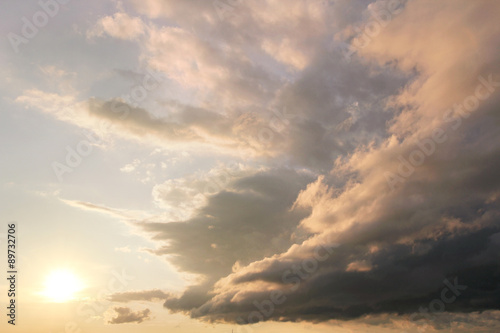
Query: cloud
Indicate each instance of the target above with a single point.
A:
(141, 295)
(51, 103)
(120, 25)
(126, 315)
(119, 213)
(289, 36)
(183, 196)
(224, 77)
(403, 279)
(131, 166)
(398, 244)
(242, 105)
(247, 220)
(304, 125)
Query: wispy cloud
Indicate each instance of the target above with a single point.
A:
(141, 295)
(119, 213)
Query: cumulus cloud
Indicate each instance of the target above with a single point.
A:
(249, 219)
(126, 315)
(120, 25)
(246, 220)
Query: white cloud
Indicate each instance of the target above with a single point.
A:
(120, 25)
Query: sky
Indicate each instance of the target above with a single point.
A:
(250, 166)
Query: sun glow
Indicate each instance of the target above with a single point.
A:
(62, 286)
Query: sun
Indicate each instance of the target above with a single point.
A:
(62, 286)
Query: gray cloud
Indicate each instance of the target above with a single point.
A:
(140, 295)
(126, 315)
(249, 220)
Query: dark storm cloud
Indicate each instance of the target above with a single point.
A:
(249, 220)
(401, 281)
(401, 242)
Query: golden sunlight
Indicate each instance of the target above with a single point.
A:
(61, 286)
